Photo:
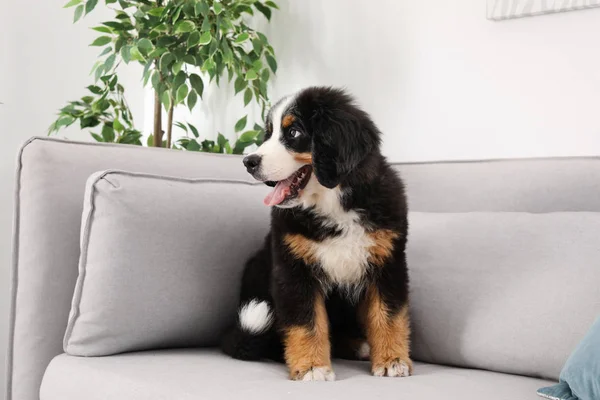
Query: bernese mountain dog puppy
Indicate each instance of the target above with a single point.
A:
(331, 279)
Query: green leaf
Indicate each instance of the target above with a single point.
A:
(118, 125)
(101, 41)
(95, 89)
(156, 12)
(145, 45)
(218, 7)
(107, 50)
(201, 8)
(248, 136)
(257, 46)
(126, 54)
(103, 29)
(99, 72)
(108, 133)
(257, 65)
(110, 62)
(97, 137)
(89, 122)
(192, 100)
(239, 85)
(179, 80)
(241, 146)
(208, 65)
(90, 5)
(166, 60)
(214, 46)
(166, 41)
(241, 124)
(221, 140)
(182, 93)
(194, 130)
(184, 26)
(64, 121)
(251, 75)
(207, 145)
(272, 63)
(177, 67)
(205, 25)
(166, 100)
(87, 99)
(272, 4)
(136, 55)
(193, 146)
(266, 11)
(265, 75)
(193, 39)
(161, 28)
(247, 96)
(150, 140)
(242, 37)
(257, 127)
(157, 53)
(197, 84)
(181, 126)
(205, 38)
(72, 3)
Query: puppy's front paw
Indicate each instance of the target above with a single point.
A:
(396, 367)
(314, 374)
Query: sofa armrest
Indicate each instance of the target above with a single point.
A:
(50, 185)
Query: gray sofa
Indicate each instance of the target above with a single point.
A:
(50, 186)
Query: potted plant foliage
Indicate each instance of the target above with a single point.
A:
(183, 45)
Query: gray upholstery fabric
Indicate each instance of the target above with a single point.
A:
(51, 180)
(202, 374)
(51, 177)
(161, 261)
(532, 185)
(509, 292)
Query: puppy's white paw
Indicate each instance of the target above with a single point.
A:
(316, 374)
(394, 368)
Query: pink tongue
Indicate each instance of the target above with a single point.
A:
(278, 194)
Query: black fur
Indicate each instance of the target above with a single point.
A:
(344, 143)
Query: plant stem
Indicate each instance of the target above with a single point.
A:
(169, 127)
(157, 121)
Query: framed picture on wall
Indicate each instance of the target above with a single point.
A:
(498, 10)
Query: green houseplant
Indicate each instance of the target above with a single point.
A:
(183, 46)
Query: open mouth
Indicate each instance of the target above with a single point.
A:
(289, 188)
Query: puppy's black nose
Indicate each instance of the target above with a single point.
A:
(252, 163)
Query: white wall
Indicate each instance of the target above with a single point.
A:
(441, 81)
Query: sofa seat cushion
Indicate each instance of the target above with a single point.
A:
(207, 374)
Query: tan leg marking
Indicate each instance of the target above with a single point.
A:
(308, 350)
(388, 336)
(383, 246)
(300, 247)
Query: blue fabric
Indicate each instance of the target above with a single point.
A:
(580, 377)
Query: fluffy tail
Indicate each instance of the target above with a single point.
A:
(253, 335)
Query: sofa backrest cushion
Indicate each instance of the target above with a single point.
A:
(161, 261)
(504, 291)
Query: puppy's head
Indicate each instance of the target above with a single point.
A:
(319, 132)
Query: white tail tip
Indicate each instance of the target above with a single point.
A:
(256, 317)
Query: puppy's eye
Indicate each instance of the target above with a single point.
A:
(295, 133)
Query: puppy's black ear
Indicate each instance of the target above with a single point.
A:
(343, 136)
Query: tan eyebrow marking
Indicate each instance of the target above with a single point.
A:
(288, 120)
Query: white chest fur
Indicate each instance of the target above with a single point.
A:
(345, 258)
